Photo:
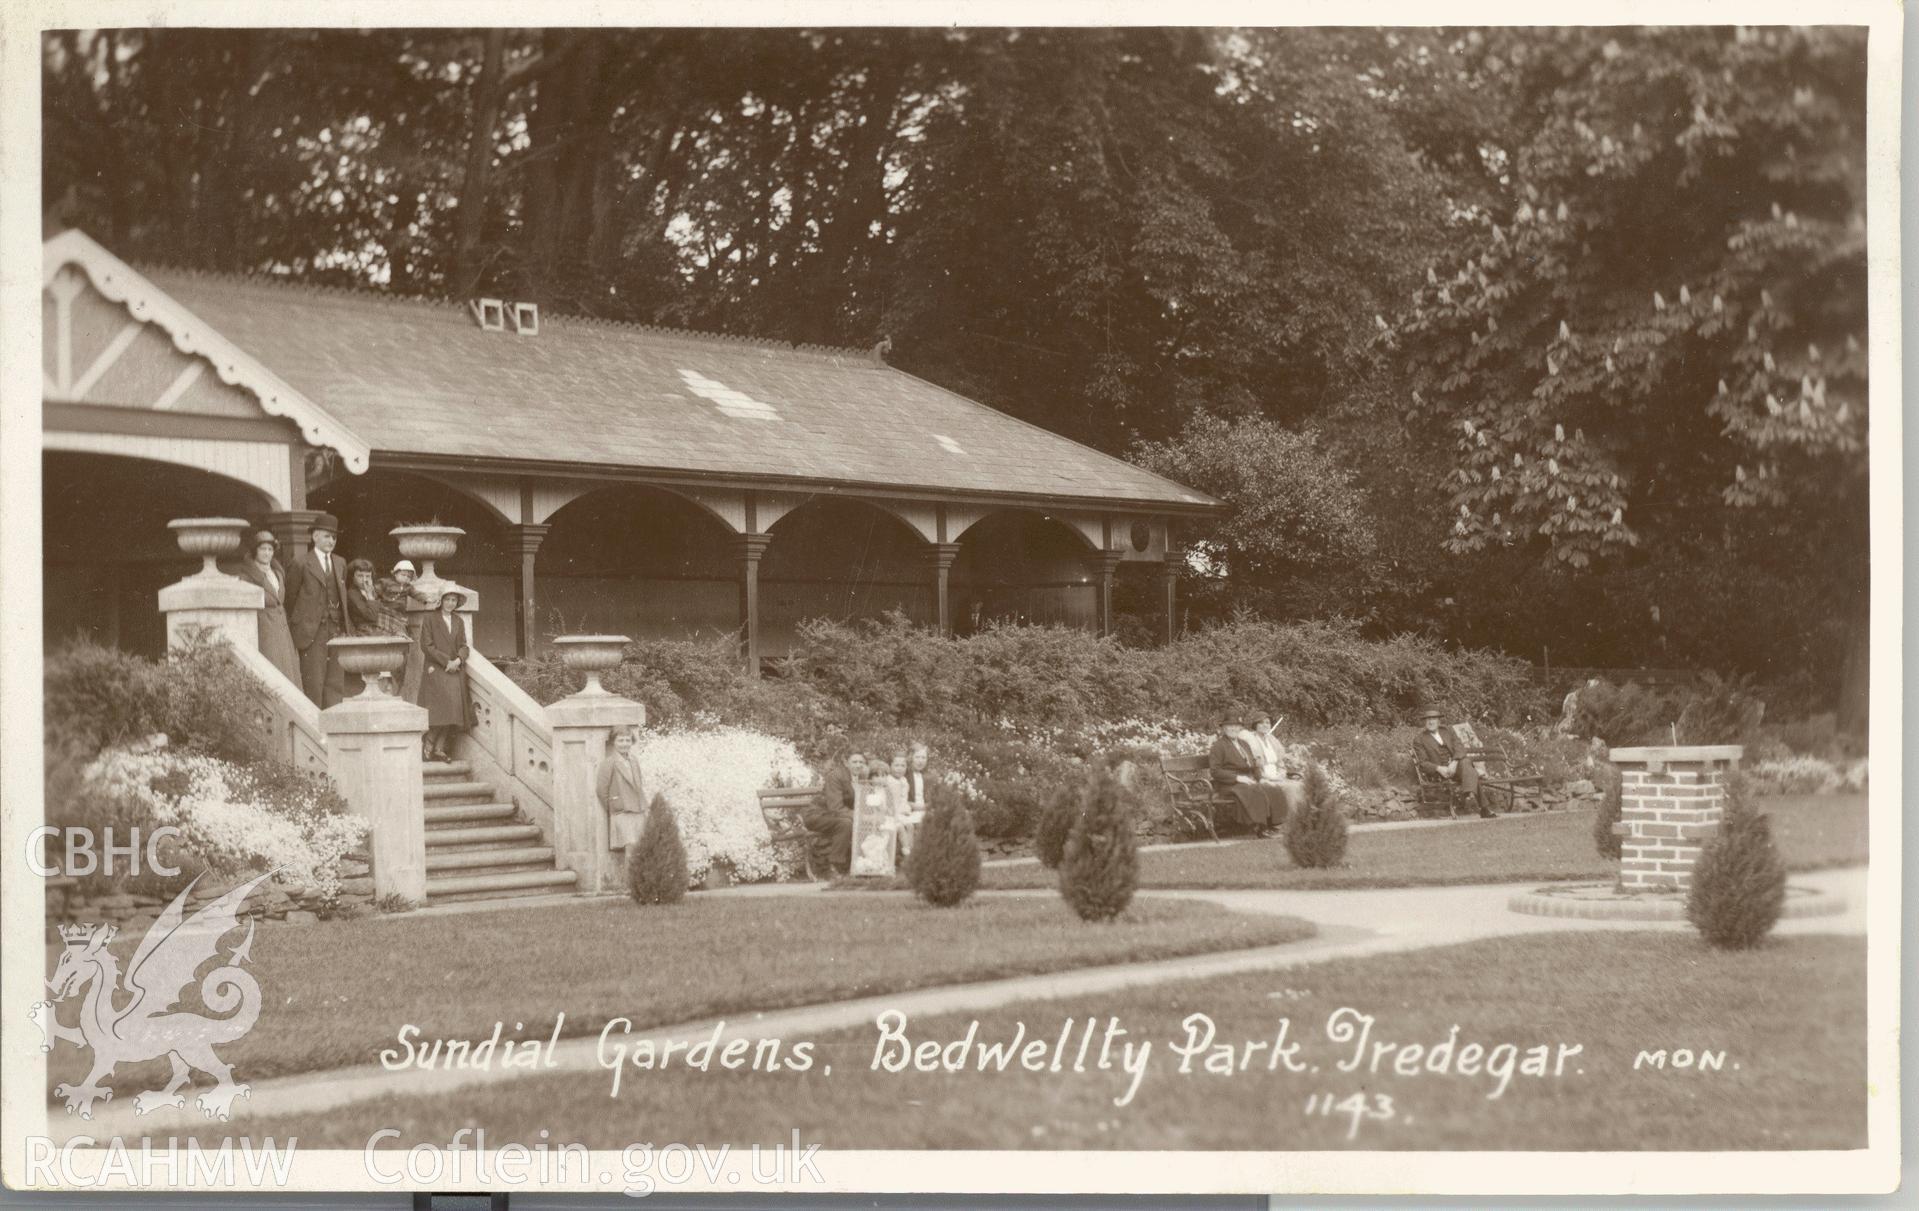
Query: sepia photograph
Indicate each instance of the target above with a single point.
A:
(974, 606)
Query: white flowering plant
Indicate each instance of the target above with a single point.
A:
(1802, 774)
(713, 776)
(235, 818)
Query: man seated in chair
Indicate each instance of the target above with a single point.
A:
(1438, 751)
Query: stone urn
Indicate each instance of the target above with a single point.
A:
(592, 655)
(209, 538)
(369, 656)
(424, 545)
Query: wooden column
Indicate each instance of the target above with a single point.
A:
(526, 539)
(1169, 598)
(292, 527)
(940, 557)
(748, 548)
(1107, 564)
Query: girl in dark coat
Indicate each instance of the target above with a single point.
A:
(443, 687)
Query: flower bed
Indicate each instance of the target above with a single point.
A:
(712, 776)
(234, 821)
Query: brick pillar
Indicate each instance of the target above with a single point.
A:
(1671, 800)
(1106, 563)
(526, 540)
(940, 557)
(747, 548)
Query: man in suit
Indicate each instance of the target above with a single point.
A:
(1438, 751)
(831, 819)
(316, 612)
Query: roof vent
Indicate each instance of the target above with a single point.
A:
(492, 316)
(490, 313)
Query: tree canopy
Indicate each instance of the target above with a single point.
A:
(1577, 315)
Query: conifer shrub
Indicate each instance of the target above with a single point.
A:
(944, 865)
(1316, 832)
(656, 864)
(1054, 825)
(1739, 882)
(1099, 868)
(1605, 841)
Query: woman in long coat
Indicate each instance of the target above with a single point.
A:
(276, 639)
(621, 790)
(443, 688)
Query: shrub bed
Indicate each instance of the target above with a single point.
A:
(136, 744)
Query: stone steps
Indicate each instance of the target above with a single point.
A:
(468, 813)
(477, 845)
(440, 792)
(525, 857)
(496, 886)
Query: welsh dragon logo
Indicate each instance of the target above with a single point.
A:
(141, 1027)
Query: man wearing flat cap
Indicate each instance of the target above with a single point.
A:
(1438, 751)
(316, 612)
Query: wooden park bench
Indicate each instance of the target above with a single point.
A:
(784, 810)
(1196, 802)
(1497, 780)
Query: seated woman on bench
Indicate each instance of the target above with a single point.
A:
(1235, 765)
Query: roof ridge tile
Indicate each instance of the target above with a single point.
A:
(566, 319)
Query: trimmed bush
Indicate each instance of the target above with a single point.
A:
(656, 864)
(1055, 824)
(1009, 807)
(200, 699)
(1099, 869)
(944, 865)
(1739, 884)
(1605, 841)
(1316, 833)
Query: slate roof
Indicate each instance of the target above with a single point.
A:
(415, 377)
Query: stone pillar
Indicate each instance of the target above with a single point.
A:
(940, 557)
(1106, 562)
(526, 539)
(210, 599)
(292, 528)
(1672, 798)
(581, 725)
(225, 605)
(747, 548)
(1169, 596)
(373, 754)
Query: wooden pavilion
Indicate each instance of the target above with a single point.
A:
(609, 477)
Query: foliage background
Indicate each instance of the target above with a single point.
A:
(1543, 339)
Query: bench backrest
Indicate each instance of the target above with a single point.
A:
(779, 798)
(1186, 765)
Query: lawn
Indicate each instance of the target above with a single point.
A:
(337, 993)
(1789, 1019)
(1812, 831)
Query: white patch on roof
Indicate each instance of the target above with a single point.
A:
(730, 402)
(948, 444)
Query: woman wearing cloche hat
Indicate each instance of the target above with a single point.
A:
(261, 567)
